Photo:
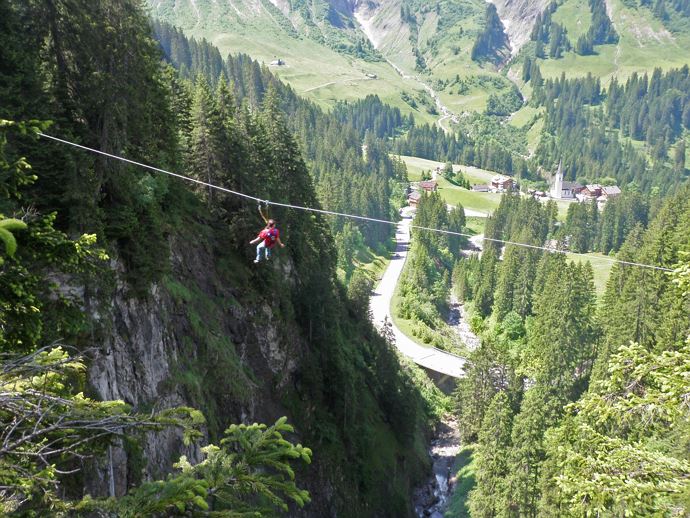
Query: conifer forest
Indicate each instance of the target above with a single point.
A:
(345, 259)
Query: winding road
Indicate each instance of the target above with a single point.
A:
(428, 357)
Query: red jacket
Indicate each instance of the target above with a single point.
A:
(270, 236)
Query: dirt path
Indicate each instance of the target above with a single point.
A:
(442, 108)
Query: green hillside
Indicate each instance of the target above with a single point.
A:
(645, 41)
(333, 55)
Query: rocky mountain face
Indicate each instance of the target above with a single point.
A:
(334, 22)
(209, 337)
(154, 357)
(518, 18)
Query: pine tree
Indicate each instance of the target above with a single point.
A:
(584, 45)
(540, 409)
(526, 69)
(484, 293)
(679, 158)
(491, 43)
(491, 460)
(207, 141)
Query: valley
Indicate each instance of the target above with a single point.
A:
(344, 258)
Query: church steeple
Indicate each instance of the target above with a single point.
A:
(557, 188)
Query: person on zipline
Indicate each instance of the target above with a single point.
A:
(269, 236)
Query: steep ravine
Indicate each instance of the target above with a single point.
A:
(211, 337)
(518, 18)
(151, 353)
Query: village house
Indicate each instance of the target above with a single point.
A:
(428, 185)
(500, 183)
(610, 191)
(600, 193)
(413, 198)
(480, 187)
(590, 192)
(536, 194)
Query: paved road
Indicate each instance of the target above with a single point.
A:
(428, 357)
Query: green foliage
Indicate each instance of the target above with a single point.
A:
(548, 32)
(16, 171)
(578, 126)
(425, 282)
(491, 466)
(32, 310)
(610, 451)
(491, 43)
(50, 427)
(504, 104)
(7, 226)
(486, 142)
(580, 447)
(249, 474)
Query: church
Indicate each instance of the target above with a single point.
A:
(564, 190)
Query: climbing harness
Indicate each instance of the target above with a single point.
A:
(341, 214)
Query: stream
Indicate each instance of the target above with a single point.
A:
(457, 320)
(432, 498)
(442, 108)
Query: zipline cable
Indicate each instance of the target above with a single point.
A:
(341, 214)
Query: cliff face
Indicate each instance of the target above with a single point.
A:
(156, 354)
(518, 18)
(208, 337)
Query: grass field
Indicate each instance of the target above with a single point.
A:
(485, 202)
(524, 116)
(315, 69)
(415, 167)
(403, 324)
(601, 267)
(371, 262)
(644, 44)
(475, 225)
(534, 134)
(575, 16)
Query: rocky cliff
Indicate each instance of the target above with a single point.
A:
(518, 18)
(189, 341)
(206, 337)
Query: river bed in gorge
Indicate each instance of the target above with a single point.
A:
(431, 500)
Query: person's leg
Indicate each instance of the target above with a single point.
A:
(268, 253)
(258, 251)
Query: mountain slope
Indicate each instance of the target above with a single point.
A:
(333, 49)
(416, 55)
(322, 61)
(645, 41)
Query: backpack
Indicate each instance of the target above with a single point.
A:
(269, 236)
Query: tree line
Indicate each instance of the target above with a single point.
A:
(563, 391)
(491, 43)
(584, 125)
(425, 282)
(548, 32)
(330, 142)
